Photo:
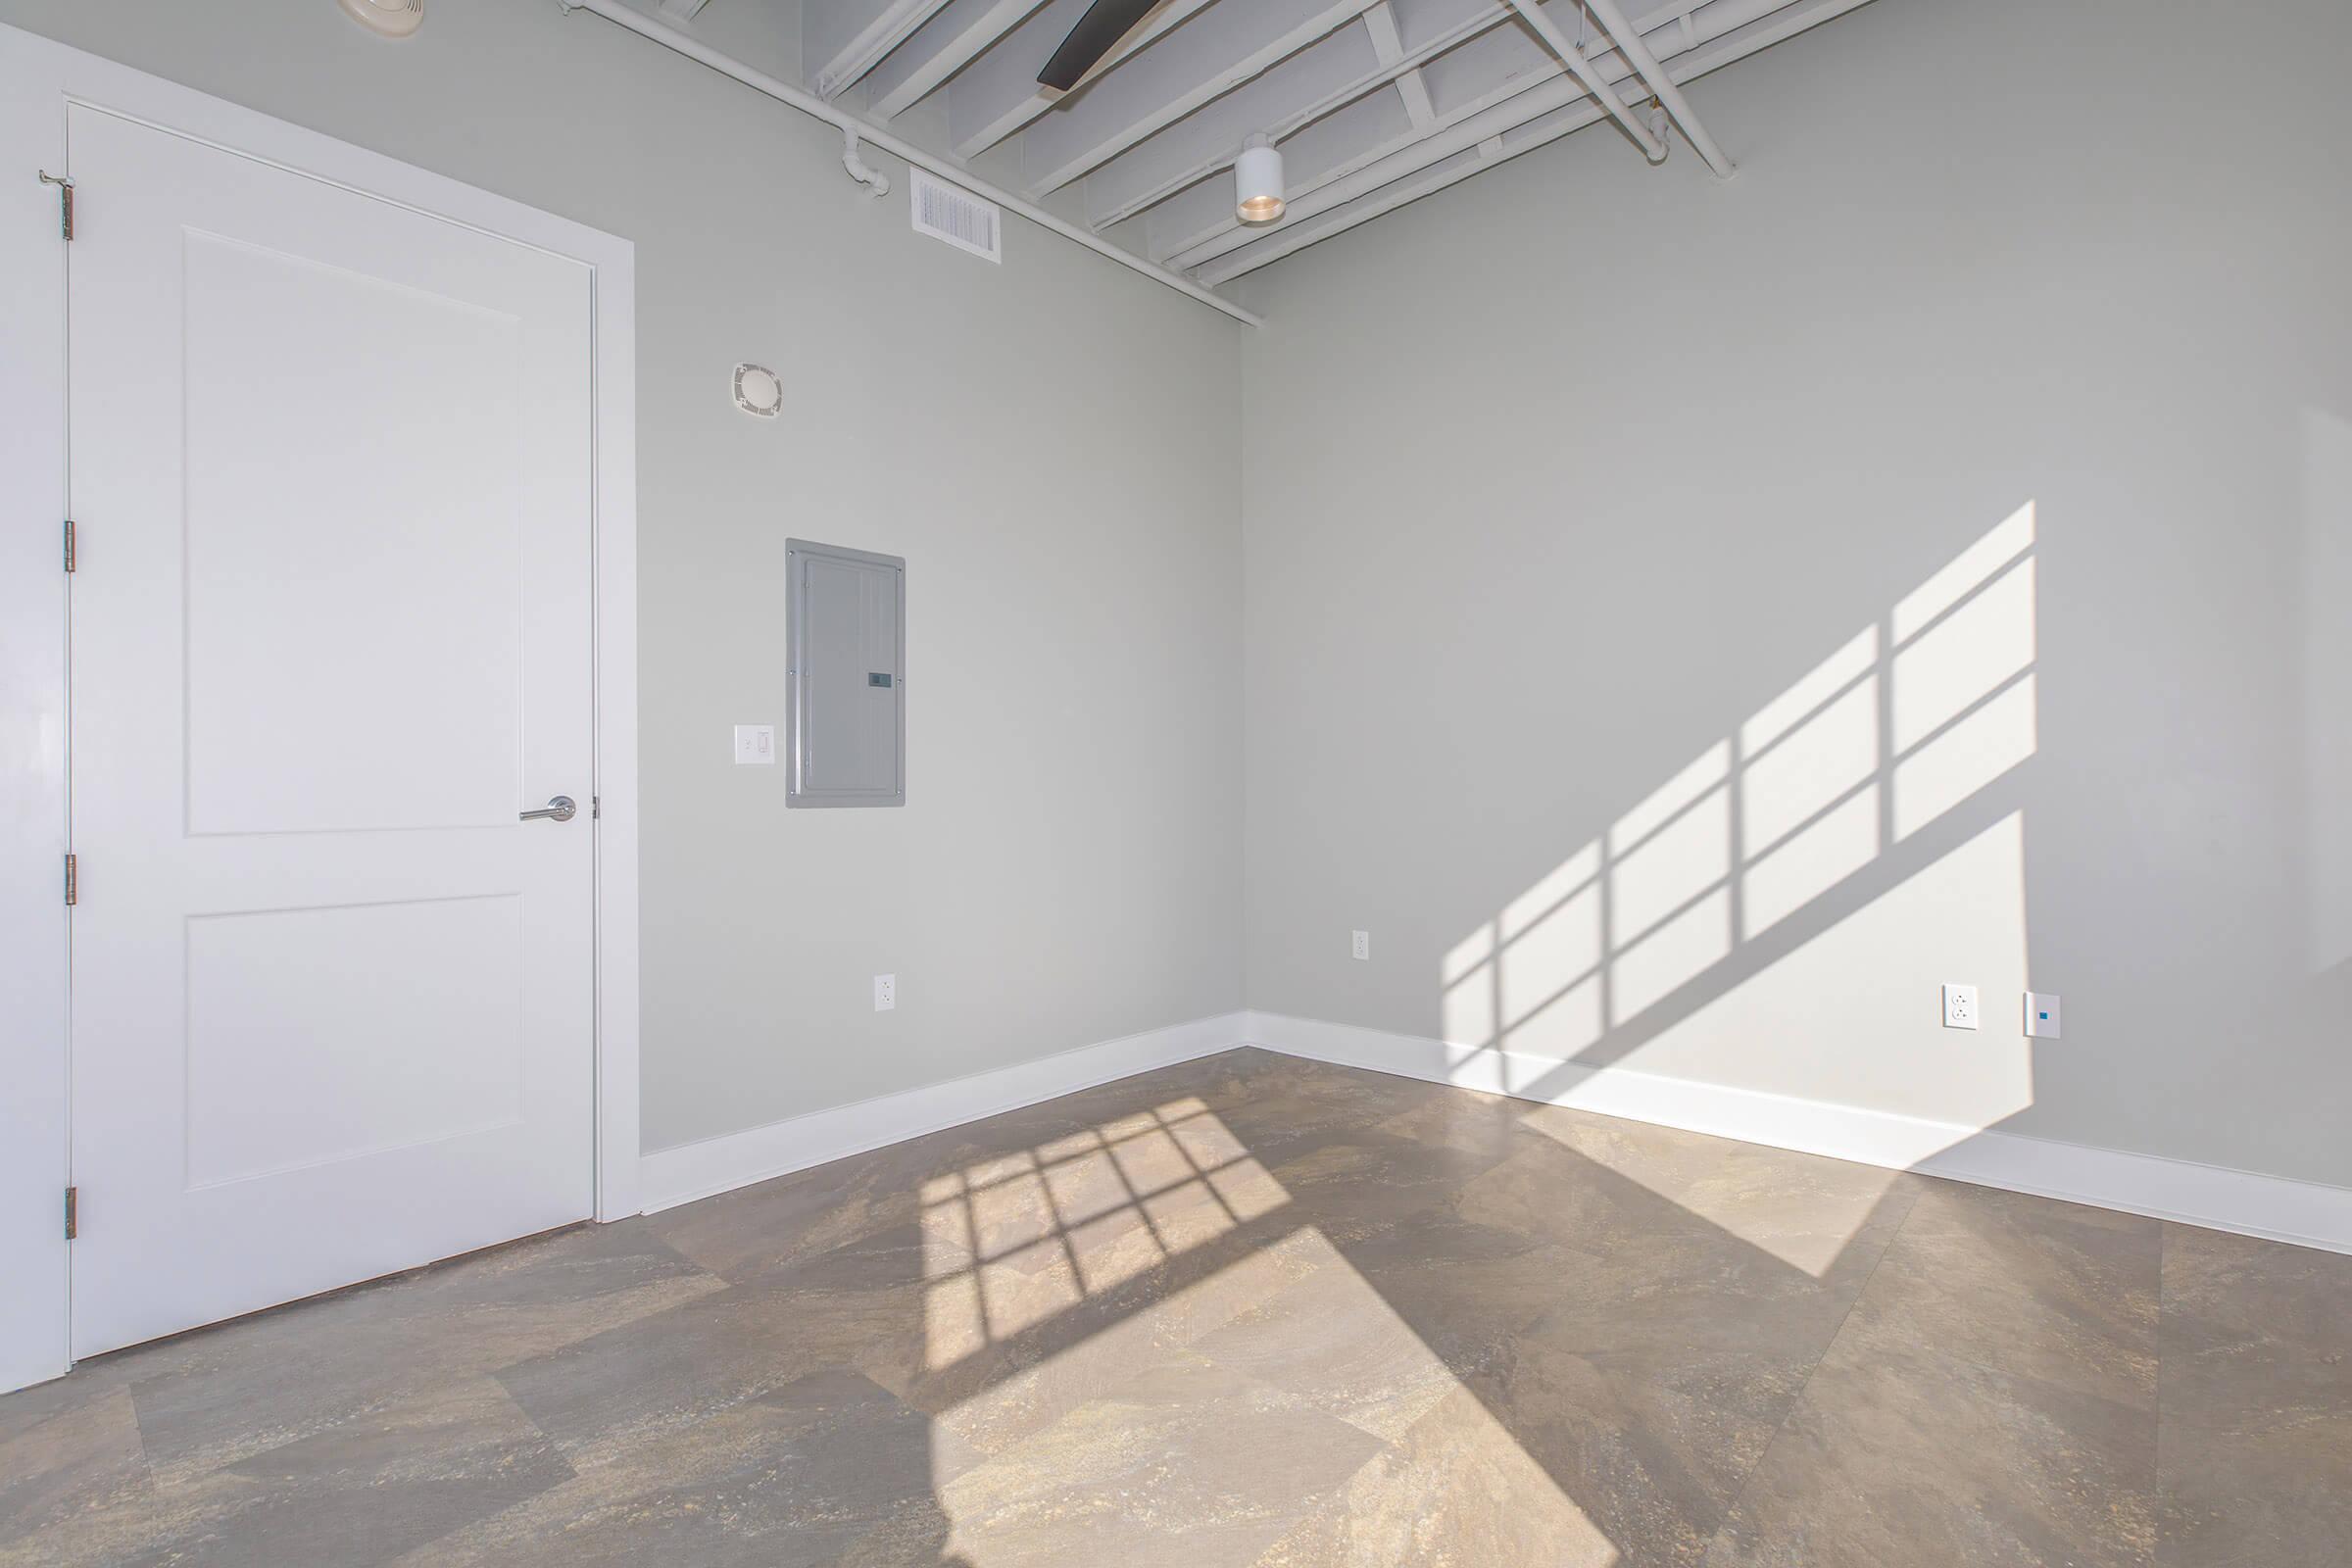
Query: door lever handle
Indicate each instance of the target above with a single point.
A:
(559, 809)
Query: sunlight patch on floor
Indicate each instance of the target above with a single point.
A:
(1277, 1412)
(1014, 1241)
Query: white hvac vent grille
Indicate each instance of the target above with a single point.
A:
(957, 217)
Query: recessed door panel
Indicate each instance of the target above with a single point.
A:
(387, 692)
(322, 1008)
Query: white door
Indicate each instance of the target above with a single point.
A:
(332, 998)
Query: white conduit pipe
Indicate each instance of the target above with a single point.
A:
(1583, 70)
(858, 129)
(860, 169)
(1653, 75)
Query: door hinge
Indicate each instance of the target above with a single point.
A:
(72, 1212)
(69, 544)
(72, 880)
(596, 807)
(65, 196)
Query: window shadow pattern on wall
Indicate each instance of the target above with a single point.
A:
(1724, 868)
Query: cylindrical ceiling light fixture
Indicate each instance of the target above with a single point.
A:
(1258, 196)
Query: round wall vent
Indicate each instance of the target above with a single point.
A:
(759, 390)
(394, 18)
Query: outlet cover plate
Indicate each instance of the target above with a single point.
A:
(886, 991)
(1360, 945)
(1959, 1006)
(2042, 1014)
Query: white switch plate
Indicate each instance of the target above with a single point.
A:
(1959, 1006)
(1361, 946)
(754, 745)
(2042, 1014)
(886, 991)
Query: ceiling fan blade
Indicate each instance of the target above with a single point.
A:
(1098, 33)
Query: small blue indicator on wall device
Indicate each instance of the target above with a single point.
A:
(2042, 1014)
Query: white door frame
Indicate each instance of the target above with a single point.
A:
(38, 79)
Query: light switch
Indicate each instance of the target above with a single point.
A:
(754, 745)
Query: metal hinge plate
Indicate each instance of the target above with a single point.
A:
(72, 1212)
(64, 193)
(73, 881)
(69, 544)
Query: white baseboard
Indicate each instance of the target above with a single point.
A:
(669, 1177)
(2276, 1207)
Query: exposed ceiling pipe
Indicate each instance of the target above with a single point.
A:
(1653, 75)
(808, 103)
(860, 170)
(1574, 58)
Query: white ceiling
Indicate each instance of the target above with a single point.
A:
(1374, 103)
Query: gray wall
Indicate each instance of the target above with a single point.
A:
(1558, 479)
(1556, 483)
(1053, 446)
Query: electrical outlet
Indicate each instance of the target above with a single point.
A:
(1361, 946)
(886, 991)
(2042, 1014)
(754, 745)
(1959, 1006)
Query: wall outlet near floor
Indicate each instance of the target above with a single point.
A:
(1959, 1006)
(2042, 1014)
(886, 991)
(1360, 947)
(754, 745)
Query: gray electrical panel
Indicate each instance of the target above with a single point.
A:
(846, 708)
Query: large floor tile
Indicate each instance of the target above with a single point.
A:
(787, 1479)
(207, 1399)
(360, 1492)
(859, 1306)
(1635, 1183)
(2255, 1456)
(1186, 1463)
(1458, 1490)
(64, 1458)
(1899, 1455)
(2056, 1292)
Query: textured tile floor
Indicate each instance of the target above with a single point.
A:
(1260, 1312)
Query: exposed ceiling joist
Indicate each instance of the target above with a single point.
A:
(1662, 85)
(1165, 84)
(1494, 66)
(999, 94)
(1417, 107)
(951, 39)
(1386, 192)
(1565, 50)
(1494, 82)
(1492, 115)
(1370, 103)
(1309, 85)
(844, 39)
